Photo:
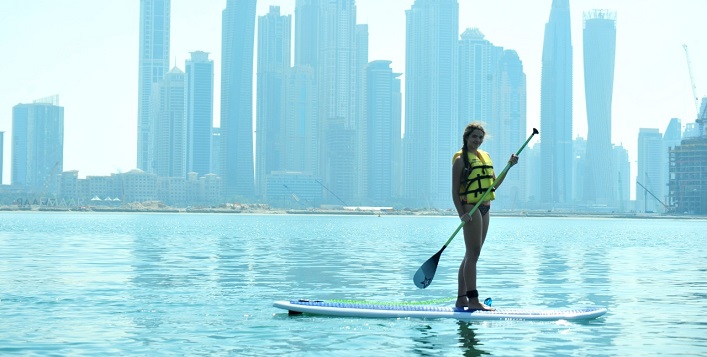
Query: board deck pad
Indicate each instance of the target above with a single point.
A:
(402, 310)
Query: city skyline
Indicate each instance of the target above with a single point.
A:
(101, 147)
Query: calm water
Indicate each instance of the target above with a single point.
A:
(203, 285)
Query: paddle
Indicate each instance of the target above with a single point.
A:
(423, 277)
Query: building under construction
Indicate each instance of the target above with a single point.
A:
(688, 171)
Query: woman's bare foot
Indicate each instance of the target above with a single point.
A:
(476, 305)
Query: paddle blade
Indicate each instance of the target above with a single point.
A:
(423, 277)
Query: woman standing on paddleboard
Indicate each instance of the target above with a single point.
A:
(472, 176)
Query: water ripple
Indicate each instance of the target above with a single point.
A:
(202, 284)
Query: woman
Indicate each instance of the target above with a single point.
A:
(472, 175)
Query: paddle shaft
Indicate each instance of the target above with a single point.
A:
(424, 275)
(476, 206)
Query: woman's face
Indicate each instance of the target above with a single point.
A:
(474, 140)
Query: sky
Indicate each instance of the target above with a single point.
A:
(86, 52)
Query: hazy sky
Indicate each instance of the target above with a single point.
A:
(86, 51)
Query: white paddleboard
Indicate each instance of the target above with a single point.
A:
(386, 310)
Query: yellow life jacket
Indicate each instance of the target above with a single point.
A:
(477, 176)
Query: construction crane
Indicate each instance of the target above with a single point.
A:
(692, 82)
(667, 208)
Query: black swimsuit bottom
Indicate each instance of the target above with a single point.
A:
(484, 209)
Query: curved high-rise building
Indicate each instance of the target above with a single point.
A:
(556, 108)
(599, 45)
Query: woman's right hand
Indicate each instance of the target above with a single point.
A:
(465, 217)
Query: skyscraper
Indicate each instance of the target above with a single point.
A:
(599, 56)
(238, 31)
(649, 177)
(273, 63)
(383, 131)
(301, 140)
(362, 122)
(509, 129)
(216, 151)
(688, 177)
(302, 133)
(199, 111)
(673, 133)
(479, 60)
(37, 144)
(492, 89)
(170, 126)
(153, 64)
(623, 179)
(337, 79)
(306, 33)
(432, 131)
(556, 107)
(672, 138)
(579, 163)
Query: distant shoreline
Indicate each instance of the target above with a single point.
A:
(270, 211)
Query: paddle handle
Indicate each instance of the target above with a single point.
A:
(488, 190)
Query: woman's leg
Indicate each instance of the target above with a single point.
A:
(474, 237)
(461, 286)
(473, 240)
(485, 226)
(464, 273)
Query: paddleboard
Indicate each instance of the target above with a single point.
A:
(388, 310)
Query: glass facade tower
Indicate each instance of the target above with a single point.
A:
(556, 108)
(338, 79)
(199, 89)
(599, 46)
(432, 130)
(37, 145)
(649, 178)
(152, 66)
(273, 64)
(382, 131)
(238, 40)
(170, 126)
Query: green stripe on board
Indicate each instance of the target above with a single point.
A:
(396, 303)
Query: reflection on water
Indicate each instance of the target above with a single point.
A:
(203, 284)
(467, 338)
(425, 341)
